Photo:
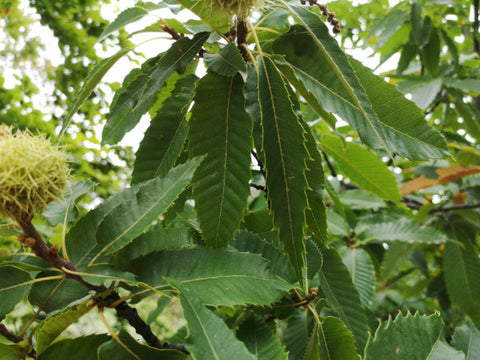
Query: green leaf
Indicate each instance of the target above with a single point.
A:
(285, 157)
(316, 215)
(442, 351)
(467, 339)
(99, 273)
(361, 268)
(358, 199)
(221, 128)
(227, 62)
(431, 53)
(469, 84)
(260, 339)
(343, 297)
(335, 340)
(337, 225)
(135, 214)
(407, 337)
(91, 81)
(313, 344)
(218, 20)
(405, 230)
(165, 137)
(126, 17)
(142, 351)
(55, 294)
(246, 241)
(52, 327)
(81, 348)
(423, 93)
(154, 240)
(61, 212)
(208, 336)
(14, 351)
(461, 266)
(216, 276)
(297, 333)
(395, 257)
(14, 283)
(363, 167)
(136, 99)
(324, 67)
(398, 122)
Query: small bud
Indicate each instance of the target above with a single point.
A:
(54, 249)
(30, 242)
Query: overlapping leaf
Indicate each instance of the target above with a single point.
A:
(285, 156)
(163, 141)
(135, 214)
(216, 19)
(221, 129)
(373, 112)
(227, 62)
(216, 276)
(13, 285)
(79, 348)
(138, 95)
(467, 339)
(335, 340)
(343, 297)
(209, 337)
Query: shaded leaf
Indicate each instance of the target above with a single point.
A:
(138, 96)
(142, 351)
(216, 276)
(52, 327)
(461, 266)
(164, 139)
(442, 351)
(134, 215)
(14, 351)
(14, 283)
(208, 334)
(467, 339)
(285, 155)
(298, 331)
(361, 268)
(260, 339)
(97, 274)
(407, 337)
(312, 350)
(81, 348)
(362, 167)
(343, 297)
(221, 129)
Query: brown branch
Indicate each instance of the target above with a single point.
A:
(329, 14)
(33, 239)
(14, 338)
(258, 187)
(242, 31)
(455, 207)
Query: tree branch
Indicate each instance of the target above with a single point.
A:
(476, 43)
(242, 31)
(14, 338)
(33, 239)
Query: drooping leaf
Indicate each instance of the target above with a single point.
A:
(461, 264)
(14, 283)
(404, 231)
(361, 268)
(260, 339)
(362, 167)
(139, 95)
(285, 155)
(91, 81)
(216, 276)
(221, 129)
(442, 351)
(52, 327)
(126, 17)
(407, 337)
(467, 339)
(227, 62)
(209, 337)
(397, 128)
(142, 351)
(164, 139)
(343, 297)
(135, 214)
(335, 340)
(324, 68)
(80, 348)
(63, 211)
